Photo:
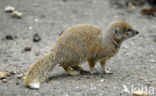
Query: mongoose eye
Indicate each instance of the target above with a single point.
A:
(128, 30)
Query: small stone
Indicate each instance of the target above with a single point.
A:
(27, 49)
(17, 83)
(4, 80)
(9, 9)
(145, 67)
(9, 37)
(12, 72)
(36, 20)
(37, 53)
(17, 14)
(148, 83)
(102, 80)
(36, 38)
(3, 75)
(30, 28)
(139, 93)
(19, 76)
(152, 60)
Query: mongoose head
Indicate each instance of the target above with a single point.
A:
(121, 30)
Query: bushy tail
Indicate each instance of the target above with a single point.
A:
(39, 71)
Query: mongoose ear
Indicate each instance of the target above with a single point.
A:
(117, 32)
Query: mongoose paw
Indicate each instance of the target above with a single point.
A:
(91, 72)
(73, 73)
(109, 72)
(35, 85)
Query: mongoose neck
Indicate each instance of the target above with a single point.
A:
(108, 37)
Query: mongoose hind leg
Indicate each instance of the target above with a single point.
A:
(69, 70)
(105, 69)
(78, 68)
(91, 63)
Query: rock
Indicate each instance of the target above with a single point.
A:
(152, 60)
(36, 19)
(37, 53)
(3, 75)
(19, 76)
(30, 27)
(27, 49)
(17, 83)
(17, 14)
(36, 38)
(148, 83)
(4, 80)
(139, 93)
(12, 72)
(102, 80)
(9, 9)
(9, 37)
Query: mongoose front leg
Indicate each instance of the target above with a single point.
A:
(91, 65)
(69, 70)
(106, 70)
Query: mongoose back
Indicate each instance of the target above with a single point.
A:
(77, 44)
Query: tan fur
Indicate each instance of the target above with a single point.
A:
(77, 44)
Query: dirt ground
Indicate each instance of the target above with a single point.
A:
(133, 66)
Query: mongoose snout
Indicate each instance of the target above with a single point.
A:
(137, 32)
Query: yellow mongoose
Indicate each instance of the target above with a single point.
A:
(77, 44)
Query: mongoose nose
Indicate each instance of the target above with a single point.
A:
(137, 32)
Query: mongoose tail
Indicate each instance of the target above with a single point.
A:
(39, 71)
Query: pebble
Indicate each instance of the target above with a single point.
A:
(9, 9)
(27, 49)
(4, 80)
(148, 83)
(9, 37)
(36, 38)
(3, 75)
(19, 76)
(102, 80)
(139, 93)
(36, 20)
(30, 28)
(12, 72)
(17, 14)
(17, 83)
(152, 60)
